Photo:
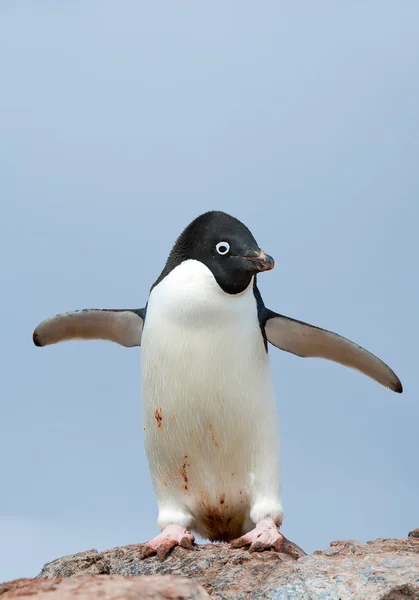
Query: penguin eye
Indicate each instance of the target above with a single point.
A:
(223, 248)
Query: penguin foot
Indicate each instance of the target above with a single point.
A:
(265, 536)
(171, 536)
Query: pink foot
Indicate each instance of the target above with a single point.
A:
(171, 536)
(265, 536)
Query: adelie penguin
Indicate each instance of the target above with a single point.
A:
(209, 412)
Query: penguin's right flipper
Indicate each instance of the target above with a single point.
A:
(122, 326)
(303, 339)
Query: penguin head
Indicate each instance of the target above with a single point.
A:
(225, 246)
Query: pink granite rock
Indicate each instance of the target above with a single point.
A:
(108, 587)
(386, 569)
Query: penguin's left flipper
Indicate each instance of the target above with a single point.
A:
(122, 326)
(306, 340)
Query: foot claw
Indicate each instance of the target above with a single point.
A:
(266, 536)
(240, 542)
(292, 549)
(164, 549)
(257, 547)
(145, 551)
(171, 536)
(188, 543)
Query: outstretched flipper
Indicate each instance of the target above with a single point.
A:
(306, 340)
(122, 326)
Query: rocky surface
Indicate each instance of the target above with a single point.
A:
(110, 587)
(385, 569)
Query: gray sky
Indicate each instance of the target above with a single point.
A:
(122, 121)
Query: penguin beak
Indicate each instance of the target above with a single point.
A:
(260, 260)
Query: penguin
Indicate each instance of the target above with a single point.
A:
(209, 413)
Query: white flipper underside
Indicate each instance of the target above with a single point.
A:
(307, 340)
(123, 327)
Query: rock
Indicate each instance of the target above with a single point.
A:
(386, 569)
(108, 587)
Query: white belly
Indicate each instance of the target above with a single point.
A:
(208, 403)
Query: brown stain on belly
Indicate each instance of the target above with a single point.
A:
(183, 472)
(215, 442)
(221, 527)
(158, 415)
(220, 522)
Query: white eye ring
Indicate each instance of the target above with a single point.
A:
(223, 248)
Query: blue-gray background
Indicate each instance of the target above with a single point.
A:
(120, 122)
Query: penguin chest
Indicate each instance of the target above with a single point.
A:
(207, 394)
(204, 378)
